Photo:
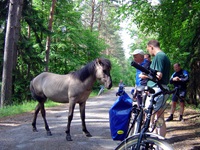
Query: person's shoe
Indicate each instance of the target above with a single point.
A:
(170, 118)
(181, 119)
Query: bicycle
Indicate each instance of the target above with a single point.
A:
(142, 137)
(138, 110)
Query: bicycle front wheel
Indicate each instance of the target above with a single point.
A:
(148, 143)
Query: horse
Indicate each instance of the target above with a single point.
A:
(72, 88)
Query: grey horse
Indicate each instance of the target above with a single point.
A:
(71, 88)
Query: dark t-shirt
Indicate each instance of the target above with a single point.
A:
(162, 64)
(184, 76)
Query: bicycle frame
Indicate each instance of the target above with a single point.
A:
(138, 111)
(148, 119)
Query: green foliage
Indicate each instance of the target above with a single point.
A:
(176, 25)
(72, 44)
(122, 71)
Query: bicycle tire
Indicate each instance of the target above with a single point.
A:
(153, 143)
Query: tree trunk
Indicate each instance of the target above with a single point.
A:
(100, 15)
(6, 89)
(48, 42)
(92, 15)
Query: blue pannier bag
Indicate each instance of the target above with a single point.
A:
(119, 117)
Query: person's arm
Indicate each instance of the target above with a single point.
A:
(185, 78)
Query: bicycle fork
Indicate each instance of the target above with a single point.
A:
(146, 126)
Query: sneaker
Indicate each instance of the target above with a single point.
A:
(170, 118)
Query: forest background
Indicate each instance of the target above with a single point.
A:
(61, 36)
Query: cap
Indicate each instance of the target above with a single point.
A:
(137, 51)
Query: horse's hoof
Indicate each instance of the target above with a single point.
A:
(68, 138)
(35, 130)
(49, 133)
(88, 134)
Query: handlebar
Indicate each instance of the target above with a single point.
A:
(137, 66)
(151, 73)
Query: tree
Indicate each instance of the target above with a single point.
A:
(12, 30)
(49, 36)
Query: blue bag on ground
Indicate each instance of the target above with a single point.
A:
(119, 117)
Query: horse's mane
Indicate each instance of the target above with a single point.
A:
(89, 69)
(84, 72)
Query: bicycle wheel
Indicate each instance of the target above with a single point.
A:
(148, 143)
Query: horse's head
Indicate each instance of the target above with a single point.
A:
(103, 67)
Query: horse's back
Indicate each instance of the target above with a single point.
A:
(51, 85)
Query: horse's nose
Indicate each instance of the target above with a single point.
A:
(110, 85)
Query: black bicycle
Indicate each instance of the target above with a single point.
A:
(138, 109)
(139, 136)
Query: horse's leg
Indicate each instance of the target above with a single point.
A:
(43, 112)
(70, 117)
(37, 109)
(82, 113)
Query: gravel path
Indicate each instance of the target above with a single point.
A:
(16, 131)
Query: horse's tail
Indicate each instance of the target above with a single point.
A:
(35, 96)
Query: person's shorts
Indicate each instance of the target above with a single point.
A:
(180, 95)
(160, 100)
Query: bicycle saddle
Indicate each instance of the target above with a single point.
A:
(145, 88)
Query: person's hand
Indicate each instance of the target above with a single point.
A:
(176, 79)
(142, 76)
(159, 75)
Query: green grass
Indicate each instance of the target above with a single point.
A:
(28, 106)
(21, 108)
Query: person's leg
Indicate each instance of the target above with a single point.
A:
(162, 130)
(173, 108)
(182, 104)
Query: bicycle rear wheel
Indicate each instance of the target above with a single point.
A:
(148, 143)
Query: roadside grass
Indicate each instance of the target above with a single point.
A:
(29, 106)
(21, 108)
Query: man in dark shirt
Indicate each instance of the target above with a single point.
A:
(179, 79)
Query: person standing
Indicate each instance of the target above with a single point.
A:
(138, 57)
(179, 79)
(121, 84)
(162, 64)
(121, 88)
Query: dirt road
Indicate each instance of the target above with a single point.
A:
(16, 131)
